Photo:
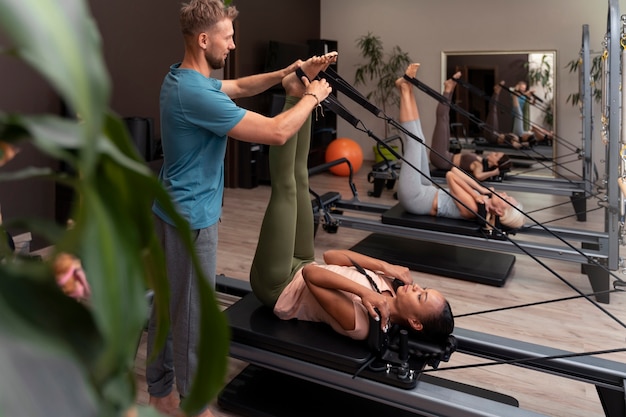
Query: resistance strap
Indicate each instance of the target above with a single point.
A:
(344, 86)
(423, 87)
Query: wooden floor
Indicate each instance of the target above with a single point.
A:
(575, 325)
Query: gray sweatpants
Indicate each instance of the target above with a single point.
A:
(179, 357)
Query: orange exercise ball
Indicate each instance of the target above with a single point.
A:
(344, 148)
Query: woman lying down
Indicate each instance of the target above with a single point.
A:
(285, 276)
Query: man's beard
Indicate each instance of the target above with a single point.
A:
(215, 63)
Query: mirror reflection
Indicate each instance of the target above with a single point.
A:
(525, 76)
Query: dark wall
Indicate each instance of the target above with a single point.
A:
(25, 91)
(141, 39)
(262, 21)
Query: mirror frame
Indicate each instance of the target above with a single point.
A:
(509, 70)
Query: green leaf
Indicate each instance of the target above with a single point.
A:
(113, 234)
(48, 341)
(39, 382)
(381, 68)
(60, 40)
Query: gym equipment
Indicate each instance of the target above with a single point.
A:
(324, 363)
(297, 366)
(468, 264)
(599, 254)
(344, 148)
(575, 190)
(393, 221)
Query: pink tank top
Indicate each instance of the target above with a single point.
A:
(296, 301)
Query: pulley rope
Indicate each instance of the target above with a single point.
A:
(335, 106)
(344, 87)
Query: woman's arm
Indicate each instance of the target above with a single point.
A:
(326, 287)
(471, 182)
(480, 174)
(345, 257)
(467, 191)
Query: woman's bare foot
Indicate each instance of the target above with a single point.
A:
(311, 67)
(450, 84)
(496, 89)
(316, 64)
(411, 71)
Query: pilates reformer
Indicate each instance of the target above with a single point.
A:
(577, 189)
(292, 364)
(410, 234)
(599, 249)
(406, 233)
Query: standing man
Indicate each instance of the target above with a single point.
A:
(197, 116)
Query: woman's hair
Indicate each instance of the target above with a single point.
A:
(504, 163)
(200, 15)
(513, 217)
(438, 326)
(510, 137)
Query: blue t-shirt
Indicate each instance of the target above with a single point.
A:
(195, 119)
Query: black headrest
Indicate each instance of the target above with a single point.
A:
(384, 343)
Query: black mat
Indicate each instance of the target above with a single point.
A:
(254, 324)
(259, 392)
(475, 265)
(397, 216)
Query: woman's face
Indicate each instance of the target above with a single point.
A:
(498, 206)
(419, 303)
(494, 157)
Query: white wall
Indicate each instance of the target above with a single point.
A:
(425, 28)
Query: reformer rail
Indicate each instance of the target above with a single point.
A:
(532, 241)
(574, 189)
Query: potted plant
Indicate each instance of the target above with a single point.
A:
(381, 68)
(595, 74)
(541, 75)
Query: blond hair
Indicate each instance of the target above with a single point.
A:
(201, 15)
(513, 217)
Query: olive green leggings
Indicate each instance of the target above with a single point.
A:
(286, 240)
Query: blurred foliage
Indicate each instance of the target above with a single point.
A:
(49, 342)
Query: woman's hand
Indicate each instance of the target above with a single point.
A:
(400, 272)
(372, 300)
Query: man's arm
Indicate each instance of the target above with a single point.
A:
(255, 84)
(276, 130)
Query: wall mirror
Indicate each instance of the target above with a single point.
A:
(483, 69)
